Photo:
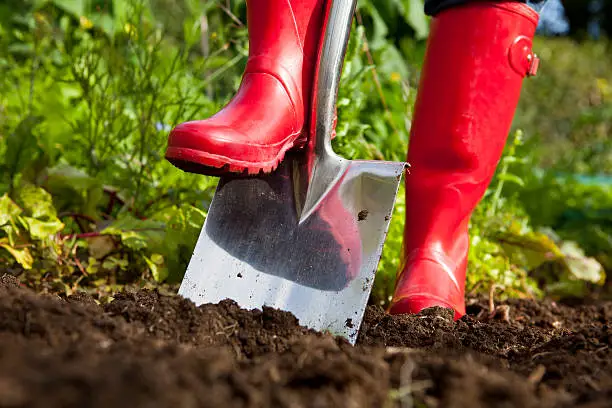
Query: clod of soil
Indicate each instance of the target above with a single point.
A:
(149, 350)
(363, 215)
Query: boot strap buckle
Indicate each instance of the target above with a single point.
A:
(522, 58)
(534, 64)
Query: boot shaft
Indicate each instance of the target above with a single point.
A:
(283, 29)
(477, 57)
(284, 37)
(476, 60)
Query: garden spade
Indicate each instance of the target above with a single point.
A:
(308, 237)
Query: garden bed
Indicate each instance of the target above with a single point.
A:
(145, 349)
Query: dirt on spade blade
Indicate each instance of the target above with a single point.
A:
(149, 350)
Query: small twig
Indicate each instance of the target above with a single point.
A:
(394, 351)
(494, 311)
(111, 201)
(538, 355)
(98, 234)
(491, 298)
(227, 11)
(205, 48)
(536, 376)
(366, 46)
(587, 379)
(404, 393)
(80, 266)
(80, 236)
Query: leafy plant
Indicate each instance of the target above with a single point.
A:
(86, 118)
(507, 252)
(566, 108)
(90, 88)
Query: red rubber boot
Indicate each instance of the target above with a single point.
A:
(266, 117)
(477, 57)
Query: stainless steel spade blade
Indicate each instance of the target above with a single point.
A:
(308, 237)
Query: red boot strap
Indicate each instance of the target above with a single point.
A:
(535, 64)
(522, 58)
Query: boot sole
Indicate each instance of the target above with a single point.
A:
(416, 303)
(208, 164)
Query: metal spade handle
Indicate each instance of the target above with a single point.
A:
(333, 53)
(325, 167)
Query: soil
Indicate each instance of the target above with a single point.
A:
(145, 349)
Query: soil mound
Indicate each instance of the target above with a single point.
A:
(145, 349)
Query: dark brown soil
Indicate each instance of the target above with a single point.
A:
(149, 350)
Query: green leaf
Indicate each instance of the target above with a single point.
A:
(120, 11)
(159, 272)
(417, 18)
(21, 48)
(379, 27)
(43, 229)
(37, 203)
(93, 266)
(511, 178)
(137, 234)
(74, 189)
(100, 246)
(158, 259)
(112, 263)
(528, 250)
(64, 175)
(392, 62)
(21, 146)
(22, 256)
(105, 22)
(580, 266)
(183, 226)
(566, 288)
(514, 159)
(77, 8)
(8, 209)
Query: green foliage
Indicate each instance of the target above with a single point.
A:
(579, 209)
(566, 109)
(510, 250)
(27, 226)
(88, 95)
(90, 88)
